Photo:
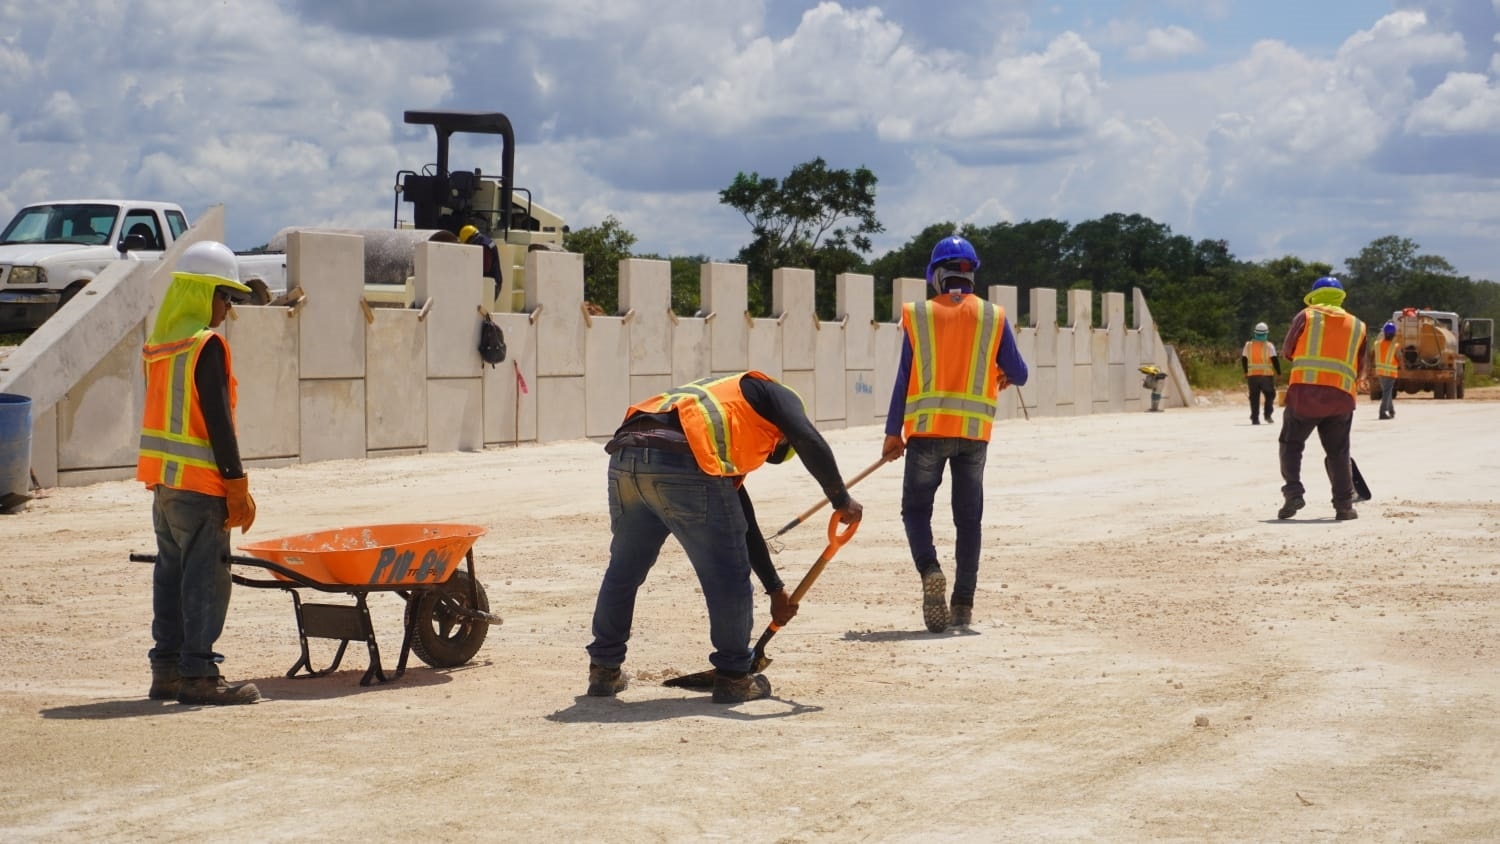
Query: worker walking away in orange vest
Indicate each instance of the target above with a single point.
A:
(957, 353)
(1326, 347)
(1258, 360)
(1387, 366)
(676, 468)
(190, 460)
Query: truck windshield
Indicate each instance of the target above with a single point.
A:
(72, 223)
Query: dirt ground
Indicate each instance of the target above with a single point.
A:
(1154, 657)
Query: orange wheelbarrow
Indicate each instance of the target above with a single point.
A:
(447, 612)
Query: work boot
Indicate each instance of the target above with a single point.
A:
(606, 682)
(1290, 506)
(961, 615)
(729, 688)
(165, 680)
(1269, 420)
(215, 691)
(935, 600)
(1254, 421)
(1345, 513)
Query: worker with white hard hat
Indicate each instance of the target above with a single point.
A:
(1261, 366)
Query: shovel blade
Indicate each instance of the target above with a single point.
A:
(704, 680)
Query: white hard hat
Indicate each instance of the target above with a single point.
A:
(210, 262)
(1261, 327)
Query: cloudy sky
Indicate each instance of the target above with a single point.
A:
(1304, 127)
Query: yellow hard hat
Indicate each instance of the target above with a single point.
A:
(466, 233)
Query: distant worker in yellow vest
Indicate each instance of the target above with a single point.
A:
(190, 460)
(677, 468)
(490, 264)
(1258, 360)
(1387, 366)
(957, 353)
(1326, 347)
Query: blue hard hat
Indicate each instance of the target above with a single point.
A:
(1327, 281)
(956, 250)
(1389, 329)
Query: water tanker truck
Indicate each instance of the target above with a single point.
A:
(1435, 348)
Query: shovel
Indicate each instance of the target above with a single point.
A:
(836, 540)
(1360, 487)
(816, 507)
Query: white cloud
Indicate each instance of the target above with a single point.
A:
(1462, 103)
(1169, 43)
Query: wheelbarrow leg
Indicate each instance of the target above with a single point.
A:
(303, 621)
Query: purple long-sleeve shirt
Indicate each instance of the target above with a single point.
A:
(1008, 358)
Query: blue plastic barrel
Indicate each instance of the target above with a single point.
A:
(15, 444)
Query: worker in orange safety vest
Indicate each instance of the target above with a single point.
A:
(1386, 353)
(1261, 366)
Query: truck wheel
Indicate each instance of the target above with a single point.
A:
(68, 294)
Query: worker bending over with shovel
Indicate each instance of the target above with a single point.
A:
(677, 465)
(958, 353)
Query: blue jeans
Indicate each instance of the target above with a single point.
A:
(1333, 432)
(925, 458)
(654, 494)
(1387, 397)
(190, 588)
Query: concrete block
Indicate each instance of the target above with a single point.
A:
(691, 355)
(99, 419)
(905, 290)
(829, 374)
(805, 382)
(643, 387)
(724, 293)
(1100, 369)
(1043, 320)
(263, 342)
(1041, 390)
(455, 414)
(855, 307)
(888, 341)
(607, 378)
(646, 294)
(1005, 295)
(1135, 400)
(396, 380)
(561, 404)
(793, 302)
(558, 291)
(450, 286)
(765, 347)
(1114, 323)
(1083, 389)
(332, 418)
(509, 398)
(330, 268)
(861, 397)
(44, 446)
(1063, 370)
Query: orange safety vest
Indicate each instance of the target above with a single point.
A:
(954, 386)
(1387, 364)
(175, 449)
(1328, 349)
(727, 436)
(1258, 355)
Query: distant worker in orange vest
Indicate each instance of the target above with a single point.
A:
(677, 468)
(190, 460)
(1326, 347)
(957, 353)
(1387, 366)
(1258, 360)
(490, 264)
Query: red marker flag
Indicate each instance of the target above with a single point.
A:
(520, 379)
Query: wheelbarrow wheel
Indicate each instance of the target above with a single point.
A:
(444, 638)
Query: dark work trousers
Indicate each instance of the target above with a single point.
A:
(1261, 386)
(1333, 431)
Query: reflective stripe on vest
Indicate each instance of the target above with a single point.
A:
(1328, 349)
(174, 446)
(954, 386)
(1258, 354)
(727, 436)
(1387, 364)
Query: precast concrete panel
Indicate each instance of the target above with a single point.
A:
(44, 447)
(554, 283)
(690, 350)
(646, 295)
(1043, 313)
(860, 397)
(888, 342)
(1101, 371)
(332, 421)
(1132, 365)
(854, 304)
(1114, 322)
(905, 290)
(830, 376)
(455, 414)
(805, 382)
(99, 420)
(1004, 295)
(607, 382)
(723, 291)
(509, 393)
(263, 341)
(1010, 408)
(1081, 319)
(330, 268)
(1041, 391)
(560, 404)
(451, 289)
(1121, 384)
(794, 303)
(1064, 372)
(396, 379)
(765, 347)
(643, 387)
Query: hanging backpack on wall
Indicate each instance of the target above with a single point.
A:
(491, 341)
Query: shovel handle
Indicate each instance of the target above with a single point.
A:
(807, 514)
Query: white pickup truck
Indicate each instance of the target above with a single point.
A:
(50, 250)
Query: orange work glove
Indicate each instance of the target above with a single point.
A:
(241, 505)
(782, 608)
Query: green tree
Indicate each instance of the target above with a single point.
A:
(603, 247)
(816, 218)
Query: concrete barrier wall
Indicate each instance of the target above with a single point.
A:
(334, 379)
